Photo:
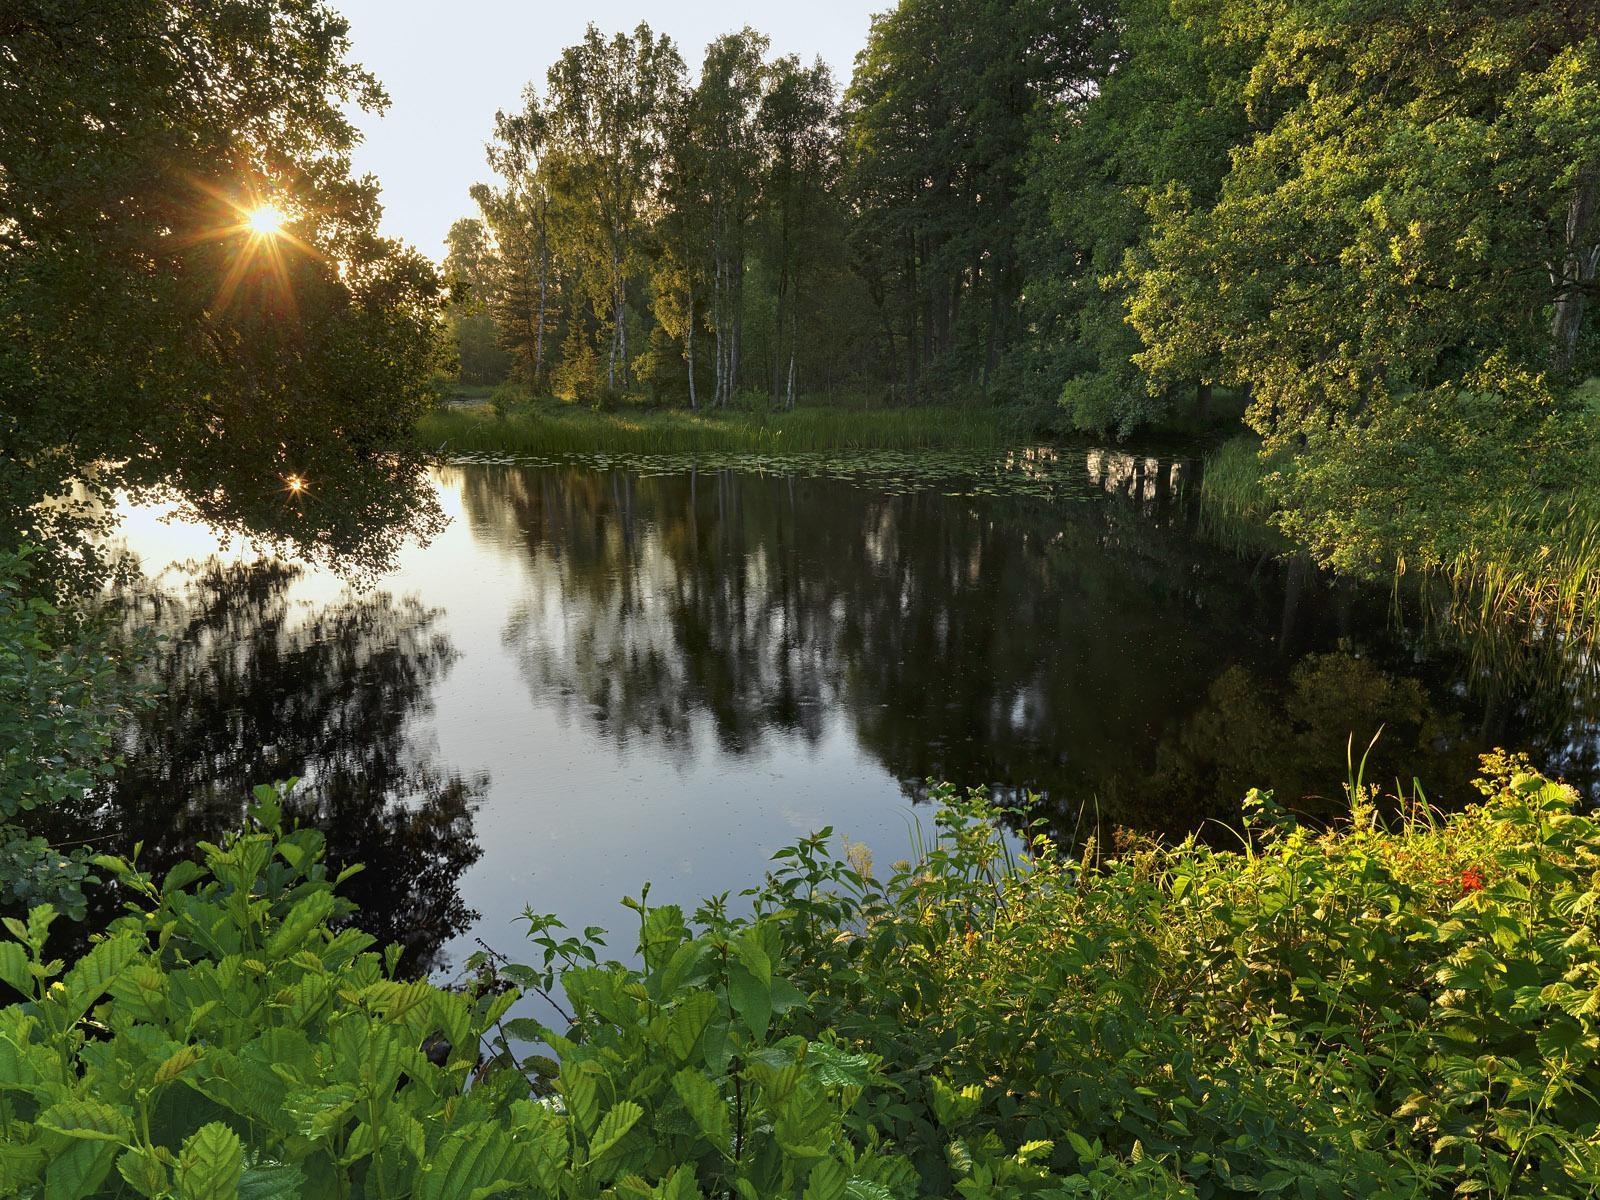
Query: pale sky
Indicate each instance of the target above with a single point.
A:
(449, 64)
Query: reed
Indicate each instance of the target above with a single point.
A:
(555, 429)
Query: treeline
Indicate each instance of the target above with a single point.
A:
(643, 232)
(1117, 204)
(749, 230)
(1372, 225)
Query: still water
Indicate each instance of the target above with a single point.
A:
(600, 676)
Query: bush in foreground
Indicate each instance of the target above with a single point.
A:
(1406, 1012)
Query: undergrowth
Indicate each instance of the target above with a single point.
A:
(1407, 1008)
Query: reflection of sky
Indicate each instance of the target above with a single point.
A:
(573, 820)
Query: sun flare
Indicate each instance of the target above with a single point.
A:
(266, 220)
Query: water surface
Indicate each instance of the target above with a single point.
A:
(599, 676)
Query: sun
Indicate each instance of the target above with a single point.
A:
(265, 221)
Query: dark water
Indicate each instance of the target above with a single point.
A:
(597, 677)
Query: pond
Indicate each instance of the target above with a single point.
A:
(602, 674)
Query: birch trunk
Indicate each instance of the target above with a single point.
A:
(1582, 255)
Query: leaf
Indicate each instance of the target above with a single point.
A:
(681, 1185)
(176, 1065)
(687, 1022)
(754, 957)
(79, 1171)
(828, 1181)
(614, 1127)
(14, 968)
(703, 1101)
(582, 1096)
(210, 1164)
(751, 999)
(478, 1162)
(278, 1181)
(95, 972)
(143, 1171)
(87, 1120)
(308, 913)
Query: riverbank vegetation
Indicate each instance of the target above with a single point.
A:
(1115, 213)
(551, 427)
(1388, 1008)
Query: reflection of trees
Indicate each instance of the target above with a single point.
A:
(1299, 736)
(1101, 653)
(257, 689)
(1098, 653)
(652, 600)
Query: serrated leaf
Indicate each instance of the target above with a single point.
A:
(143, 1171)
(478, 1162)
(279, 1181)
(14, 968)
(582, 1098)
(828, 1181)
(177, 1064)
(624, 1115)
(686, 1022)
(703, 1101)
(751, 999)
(95, 972)
(210, 1164)
(79, 1170)
(87, 1120)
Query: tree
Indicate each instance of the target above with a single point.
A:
(798, 118)
(150, 336)
(470, 268)
(1396, 265)
(939, 118)
(1164, 112)
(604, 117)
(724, 125)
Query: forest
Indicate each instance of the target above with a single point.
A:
(1366, 228)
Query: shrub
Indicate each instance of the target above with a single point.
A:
(1360, 1011)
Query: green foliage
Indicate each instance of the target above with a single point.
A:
(1396, 266)
(1370, 1011)
(63, 691)
(228, 360)
(565, 429)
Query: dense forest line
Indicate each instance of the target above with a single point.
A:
(1376, 232)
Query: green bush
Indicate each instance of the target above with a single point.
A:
(1408, 1011)
(63, 693)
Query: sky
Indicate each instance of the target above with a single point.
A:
(449, 64)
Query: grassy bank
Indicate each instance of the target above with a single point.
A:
(1402, 1010)
(556, 428)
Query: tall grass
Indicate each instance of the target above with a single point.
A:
(561, 429)
(1235, 508)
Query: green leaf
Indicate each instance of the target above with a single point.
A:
(828, 1181)
(751, 999)
(308, 913)
(754, 957)
(687, 1022)
(210, 1164)
(78, 1172)
(279, 1181)
(478, 1162)
(614, 1127)
(703, 1101)
(97, 970)
(88, 1120)
(14, 968)
(144, 1172)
